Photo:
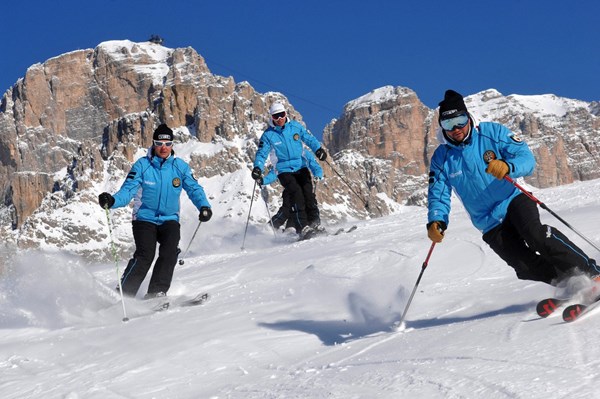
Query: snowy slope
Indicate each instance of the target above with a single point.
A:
(304, 320)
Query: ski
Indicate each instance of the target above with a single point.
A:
(584, 297)
(318, 232)
(547, 306)
(199, 299)
(342, 230)
(577, 310)
(312, 234)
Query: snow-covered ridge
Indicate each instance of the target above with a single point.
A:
(142, 52)
(380, 95)
(491, 102)
(116, 49)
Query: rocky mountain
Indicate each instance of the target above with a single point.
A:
(395, 134)
(72, 126)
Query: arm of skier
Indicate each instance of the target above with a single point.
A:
(264, 148)
(516, 153)
(130, 186)
(191, 186)
(438, 194)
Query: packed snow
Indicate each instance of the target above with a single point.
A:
(306, 319)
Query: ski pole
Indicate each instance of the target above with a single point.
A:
(543, 206)
(265, 196)
(249, 211)
(181, 261)
(398, 324)
(365, 203)
(114, 252)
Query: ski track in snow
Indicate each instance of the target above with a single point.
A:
(304, 319)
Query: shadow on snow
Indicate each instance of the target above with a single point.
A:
(334, 332)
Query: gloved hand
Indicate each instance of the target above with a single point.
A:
(497, 168)
(435, 231)
(257, 174)
(321, 154)
(106, 200)
(205, 214)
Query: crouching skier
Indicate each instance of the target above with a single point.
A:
(286, 215)
(156, 182)
(473, 160)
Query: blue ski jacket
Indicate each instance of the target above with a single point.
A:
(286, 141)
(311, 161)
(156, 185)
(462, 167)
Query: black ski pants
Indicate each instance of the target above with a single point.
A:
(536, 252)
(146, 236)
(286, 213)
(298, 188)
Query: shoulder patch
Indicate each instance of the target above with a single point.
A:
(516, 138)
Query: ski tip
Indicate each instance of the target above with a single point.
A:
(548, 306)
(572, 313)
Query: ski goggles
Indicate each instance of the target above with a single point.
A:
(159, 143)
(278, 115)
(458, 122)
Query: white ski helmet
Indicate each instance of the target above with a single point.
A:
(276, 108)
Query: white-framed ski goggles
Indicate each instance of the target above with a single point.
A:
(457, 122)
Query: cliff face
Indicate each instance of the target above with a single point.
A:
(110, 97)
(395, 135)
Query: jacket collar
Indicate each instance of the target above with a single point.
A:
(153, 158)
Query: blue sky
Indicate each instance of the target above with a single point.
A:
(322, 54)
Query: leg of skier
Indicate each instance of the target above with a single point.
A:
(552, 245)
(162, 274)
(144, 235)
(289, 182)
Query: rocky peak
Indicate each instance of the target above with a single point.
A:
(74, 124)
(392, 130)
(111, 98)
(562, 133)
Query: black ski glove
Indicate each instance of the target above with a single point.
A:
(321, 154)
(205, 214)
(106, 200)
(257, 173)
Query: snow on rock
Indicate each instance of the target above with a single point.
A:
(380, 95)
(150, 59)
(492, 104)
